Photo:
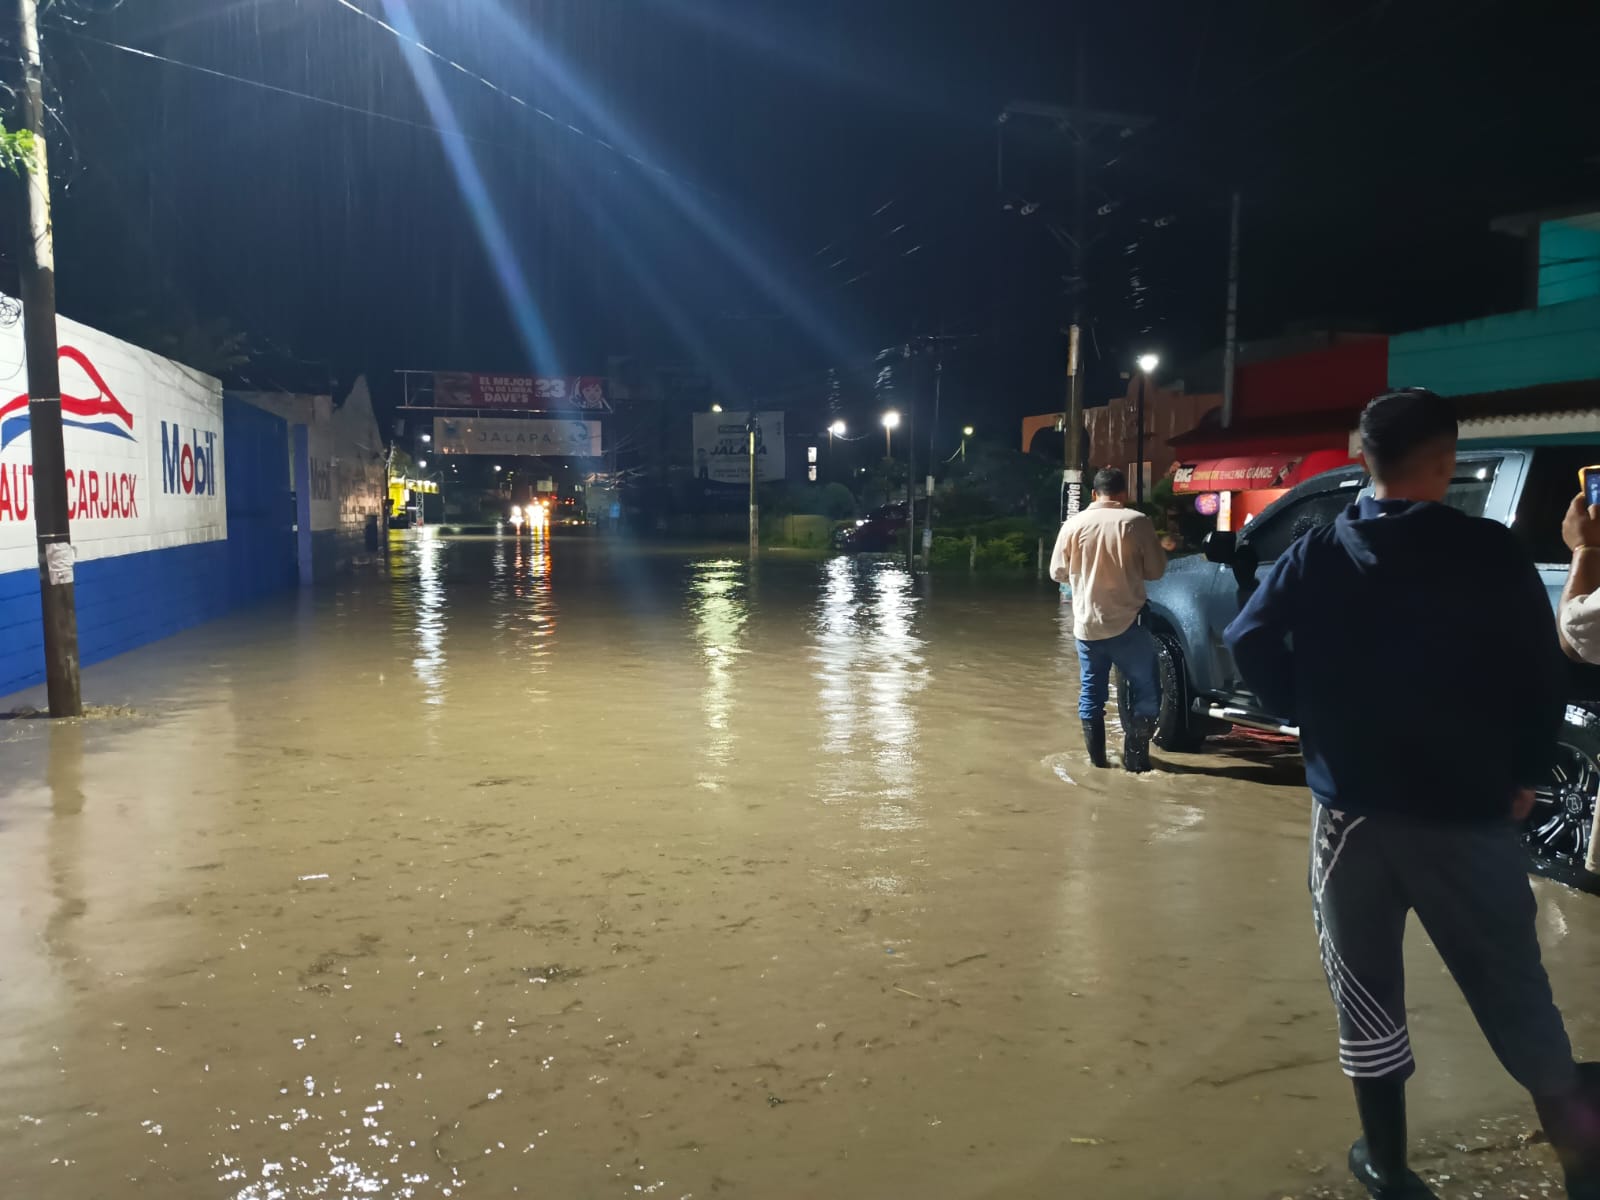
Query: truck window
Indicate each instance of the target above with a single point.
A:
(1474, 480)
(1551, 484)
(1270, 534)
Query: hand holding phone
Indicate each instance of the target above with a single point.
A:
(1580, 529)
(1589, 480)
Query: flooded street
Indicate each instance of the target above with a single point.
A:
(579, 870)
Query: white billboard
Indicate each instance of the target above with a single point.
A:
(516, 435)
(722, 447)
(144, 449)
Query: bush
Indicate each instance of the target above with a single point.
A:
(1012, 552)
(950, 552)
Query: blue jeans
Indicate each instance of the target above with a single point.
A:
(1134, 654)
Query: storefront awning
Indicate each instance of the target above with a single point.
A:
(1255, 473)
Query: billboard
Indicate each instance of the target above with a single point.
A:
(722, 447)
(516, 435)
(144, 452)
(527, 393)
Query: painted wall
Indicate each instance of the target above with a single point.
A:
(335, 462)
(1569, 261)
(149, 448)
(1556, 344)
(1336, 380)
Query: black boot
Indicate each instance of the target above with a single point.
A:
(1572, 1123)
(1094, 740)
(1378, 1159)
(1136, 745)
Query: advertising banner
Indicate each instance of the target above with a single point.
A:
(144, 451)
(722, 447)
(527, 393)
(516, 435)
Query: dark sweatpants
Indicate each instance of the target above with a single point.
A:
(1468, 885)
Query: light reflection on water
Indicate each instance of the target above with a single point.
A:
(718, 599)
(869, 665)
(525, 608)
(428, 614)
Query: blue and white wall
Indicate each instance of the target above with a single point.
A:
(146, 443)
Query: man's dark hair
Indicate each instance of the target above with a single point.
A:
(1110, 482)
(1395, 425)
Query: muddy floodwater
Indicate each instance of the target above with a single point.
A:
(585, 870)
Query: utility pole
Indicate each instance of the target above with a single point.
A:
(1230, 341)
(911, 473)
(933, 452)
(51, 523)
(1083, 126)
(753, 427)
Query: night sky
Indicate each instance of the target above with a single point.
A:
(1373, 143)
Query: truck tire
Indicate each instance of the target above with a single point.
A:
(1558, 832)
(1176, 727)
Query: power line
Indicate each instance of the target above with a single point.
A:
(276, 89)
(506, 94)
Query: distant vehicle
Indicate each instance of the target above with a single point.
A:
(1527, 488)
(879, 531)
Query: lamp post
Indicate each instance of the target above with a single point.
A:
(1147, 364)
(966, 432)
(891, 422)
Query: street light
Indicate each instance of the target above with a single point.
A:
(426, 438)
(966, 432)
(716, 408)
(1147, 365)
(422, 464)
(891, 422)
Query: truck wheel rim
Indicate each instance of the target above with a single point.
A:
(1563, 809)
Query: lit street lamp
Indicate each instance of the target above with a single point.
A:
(891, 422)
(966, 432)
(836, 430)
(716, 408)
(1147, 365)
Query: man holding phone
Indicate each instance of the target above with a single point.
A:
(1382, 634)
(1578, 614)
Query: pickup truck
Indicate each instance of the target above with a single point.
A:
(1527, 487)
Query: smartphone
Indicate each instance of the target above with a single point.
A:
(1589, 480)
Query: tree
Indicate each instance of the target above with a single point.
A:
(16, 149)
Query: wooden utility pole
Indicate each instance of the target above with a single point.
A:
(1230, 337)
(56, 591)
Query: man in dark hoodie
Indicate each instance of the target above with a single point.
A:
(1416, 648)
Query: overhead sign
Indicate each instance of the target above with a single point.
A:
(144, 453)
(722, 447)
(525, 393)
(516, 435)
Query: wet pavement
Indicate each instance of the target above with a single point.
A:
(581, 870)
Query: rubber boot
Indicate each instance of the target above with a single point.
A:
(1094, 740)
(1136, 745)
(1572, 1124)
(1378, 1159)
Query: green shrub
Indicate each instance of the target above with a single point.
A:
(1012, 552)
(950, 552)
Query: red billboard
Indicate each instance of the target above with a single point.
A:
(520, 393)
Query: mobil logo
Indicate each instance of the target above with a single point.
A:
(87, 403)
(188, 461)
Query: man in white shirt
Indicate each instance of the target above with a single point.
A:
(1578, 614)
(1105, 554)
